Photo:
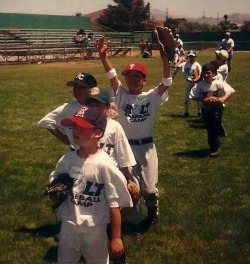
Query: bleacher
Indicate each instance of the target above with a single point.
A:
(42, 45)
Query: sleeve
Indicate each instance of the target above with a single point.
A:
(61, 168)
(124, 152)
(195, 92)
(116, 191)
(227, 88)
(232, 44)
(198, 68)
(53, 119)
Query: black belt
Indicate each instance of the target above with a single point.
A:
(140, 141)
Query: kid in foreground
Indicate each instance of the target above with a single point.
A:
(98, 192)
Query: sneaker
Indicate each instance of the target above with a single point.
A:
(186, 114)
(214, 154)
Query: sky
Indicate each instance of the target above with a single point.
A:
(174, 8)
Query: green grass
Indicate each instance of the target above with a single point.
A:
(204, 202)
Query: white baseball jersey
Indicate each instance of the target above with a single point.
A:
(178, 43)
(218, 76)
(227, 44)
(216, 88)
(115, 143)
(188, 68)
(98, 185)
(223, 70)
(137, 112)
(53, 119)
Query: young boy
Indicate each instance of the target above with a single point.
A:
(213, 95)
(221, 58)
(98, 192)
(137, 111)
(52, 121)
(192, 71)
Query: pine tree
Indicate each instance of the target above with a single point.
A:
(126, 15)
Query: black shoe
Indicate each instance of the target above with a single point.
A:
(136, 231)
(186, 114)
(151, 219)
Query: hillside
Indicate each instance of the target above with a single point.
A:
(161, 15)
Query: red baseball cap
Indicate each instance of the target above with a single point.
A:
(86, 117)
(135, 67)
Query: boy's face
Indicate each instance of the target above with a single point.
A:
(99, 106)
(135, 82)
(84, 136)
(191, 58)
(80, 93)
(208, 76)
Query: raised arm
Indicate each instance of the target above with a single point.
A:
(166, 45)
(102, 49)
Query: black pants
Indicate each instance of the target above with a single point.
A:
(215, 129)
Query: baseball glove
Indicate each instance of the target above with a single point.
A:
(165, 41)
(134, 192)
(212, 101)
(59, 188)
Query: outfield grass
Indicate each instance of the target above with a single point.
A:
(204, 202)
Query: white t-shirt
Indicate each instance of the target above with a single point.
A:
(98, 185)
(137, 112)
(216, 88)
(223, 70)
(53, 119)
(115, 143)
(187, 68)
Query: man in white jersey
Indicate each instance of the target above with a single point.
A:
(52, 121)
(228, 44)
(221, 58)
(191, 70)
(99, 191)
(137, 110)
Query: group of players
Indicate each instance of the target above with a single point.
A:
(106, 154)
(208, 81)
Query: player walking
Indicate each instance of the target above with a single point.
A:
(192, 71)
(228, 44)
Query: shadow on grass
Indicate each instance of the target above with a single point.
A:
(201, 153)
(197, 123)
(49, 230)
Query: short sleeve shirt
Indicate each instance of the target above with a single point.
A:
(137, 112)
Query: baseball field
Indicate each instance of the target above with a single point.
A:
(204, 202)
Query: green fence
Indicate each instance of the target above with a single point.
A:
(30, 21)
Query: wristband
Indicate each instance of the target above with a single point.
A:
(167, 81)
(111, 74)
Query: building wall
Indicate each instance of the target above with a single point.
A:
(32, 21)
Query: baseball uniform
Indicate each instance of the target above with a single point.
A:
(98, 185)
(212, 114)
(188, 68)
(136, 115)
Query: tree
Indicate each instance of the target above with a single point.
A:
(245, 26)
(78, 14)
(126, 15)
